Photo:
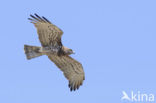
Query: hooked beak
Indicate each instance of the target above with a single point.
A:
(73, 52)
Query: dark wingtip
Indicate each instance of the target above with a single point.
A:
(70, 86)
(35, 17)
(78, 87)
(73, 88)
(35, 14)
(38, 18)
(31, 15)
(30, 19)
(46, 19)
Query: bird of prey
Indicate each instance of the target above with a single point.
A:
(50, 38)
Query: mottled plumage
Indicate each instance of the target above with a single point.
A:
(50, 38)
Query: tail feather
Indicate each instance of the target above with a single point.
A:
(32, 51)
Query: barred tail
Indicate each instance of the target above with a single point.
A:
(32, 51)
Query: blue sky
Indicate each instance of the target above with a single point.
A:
(115, 40)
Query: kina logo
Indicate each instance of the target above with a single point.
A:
(137, 97)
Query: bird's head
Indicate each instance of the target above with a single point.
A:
(68, 51)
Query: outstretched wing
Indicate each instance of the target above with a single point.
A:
(71, 68)
(49, 34)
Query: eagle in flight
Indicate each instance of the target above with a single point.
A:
(50, 38)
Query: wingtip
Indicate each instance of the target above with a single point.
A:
(38, 18)
(31, 15)
(73, 88)
(46, 19)
(36, 14)
(30, 19)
